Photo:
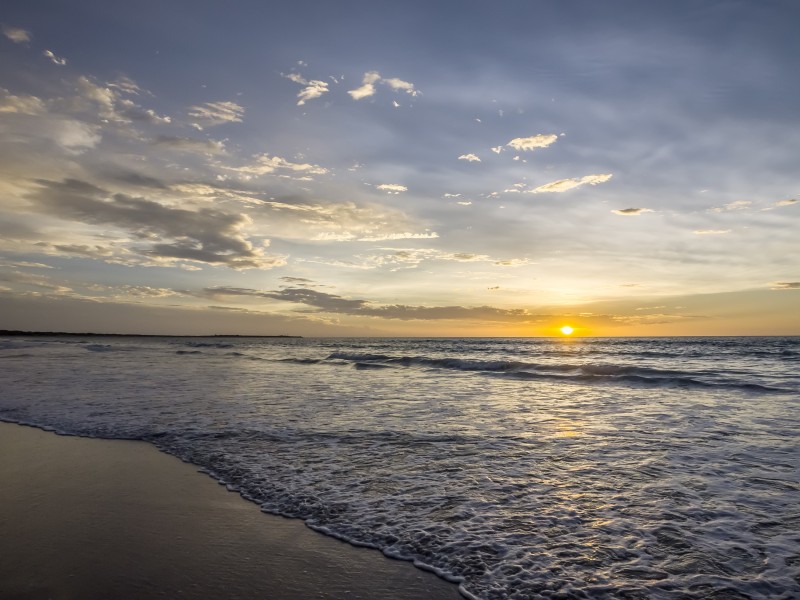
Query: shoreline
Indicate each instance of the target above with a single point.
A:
(97, 518)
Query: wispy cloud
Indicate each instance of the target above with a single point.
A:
(265, 164)
(217, 113)
(428, 235)
(367, 88)
(469, 157)
(17, 34)
(631, 212)
(786, 285)
(413, 257)
(532, 143)
(312, 89)
(26, 105)
(126, 85)
(336, 304)
(111, 106)
(400, 85)
(392, 188)
(369, 80)
(788, 202)
(564, 185)
(210, 147)
(731, 206)
(56, 60)
(711, 231)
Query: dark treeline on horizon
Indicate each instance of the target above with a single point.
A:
(14, 332)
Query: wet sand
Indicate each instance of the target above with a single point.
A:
(87, 518)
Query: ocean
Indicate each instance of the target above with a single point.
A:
(519, 467)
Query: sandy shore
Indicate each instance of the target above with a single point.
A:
(86, 518)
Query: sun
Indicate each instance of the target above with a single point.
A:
(566, 330)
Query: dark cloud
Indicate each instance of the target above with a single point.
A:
(190, 144)
(786, 285)
(631, 212)
(333, 303)
(85, 250)
(205, 235)
(135, 179)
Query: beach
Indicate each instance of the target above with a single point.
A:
(91, 518)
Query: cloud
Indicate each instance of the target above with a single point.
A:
(400, 85)
(738, 205)
(103, 96)
(25, 105)
(369, 80)
(131, 178)
(788, 202)
(74, 136)
(428, 235)
(17, 35)
(514, 262)
(786, 285)
(297, 280)
(564, 185)
(469, 157)
(128, 110)
(392, 188)
(631, 212)
(498, 149)
(413, 257)
(265, 164)
(114, 108)
(55, 59)
(159, 232)
(101, 252)
(217, 113)
(142, 291)
(368, 86)
(533, 142)
(126, 85)
(349, 236)
(333, 303)
(313, 89)
(33, 280)
(711, 231)
(340, 221)
(296, 77)
(212, 147)
(31, 141)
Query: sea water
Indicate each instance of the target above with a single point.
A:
(521, 468)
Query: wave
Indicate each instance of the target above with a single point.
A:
(563, 373)
(208, 345)
(98, 347)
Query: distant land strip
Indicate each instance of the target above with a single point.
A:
(13, 332)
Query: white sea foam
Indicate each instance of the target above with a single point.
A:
(519, 468)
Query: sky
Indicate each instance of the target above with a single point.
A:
(627, 167)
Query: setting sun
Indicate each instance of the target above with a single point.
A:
(566, 330)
